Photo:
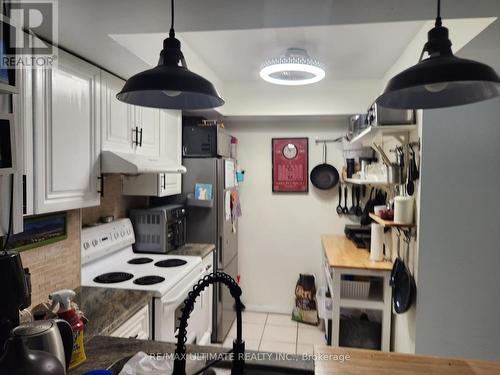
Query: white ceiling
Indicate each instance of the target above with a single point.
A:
(227, 40)
(347, 51)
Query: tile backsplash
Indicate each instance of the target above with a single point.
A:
(55, 266)
(112, 202)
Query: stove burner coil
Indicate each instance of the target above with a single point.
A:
(149, 280)
(113, 277)
(143, 260)
(170, 263)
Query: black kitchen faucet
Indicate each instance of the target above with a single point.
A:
(238, 350)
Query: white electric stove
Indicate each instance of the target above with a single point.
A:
(108, 261)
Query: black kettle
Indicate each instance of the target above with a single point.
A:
(19, 360)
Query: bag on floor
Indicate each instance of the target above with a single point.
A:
(305, 310)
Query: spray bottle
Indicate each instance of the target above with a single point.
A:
(63, 298)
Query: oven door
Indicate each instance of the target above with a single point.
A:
(167, 310)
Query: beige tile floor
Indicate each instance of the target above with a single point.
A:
(276, 333)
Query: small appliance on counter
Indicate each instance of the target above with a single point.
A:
(15, 293)
(50, 336)
(360, 235)
(159, 230)
(19, 360)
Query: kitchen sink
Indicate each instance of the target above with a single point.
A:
(252, 367)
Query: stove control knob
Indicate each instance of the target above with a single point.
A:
(122, 233)
(116, 235)
(94, 243)
(86, 245)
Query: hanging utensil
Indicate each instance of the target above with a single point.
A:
(410, 185)
(345, 209)
(324, 176)
(365, 218)
(359, 210)
(352, 210)
(398, 262)
(415, 171)
(382, 153)
(404, 287)
(339, 206)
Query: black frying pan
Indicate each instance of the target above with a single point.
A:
(324, 176)
(403, 284)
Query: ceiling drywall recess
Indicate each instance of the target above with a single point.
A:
(198, 19)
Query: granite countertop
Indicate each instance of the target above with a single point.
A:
(103, 351)
(194, 249)
(107, 309)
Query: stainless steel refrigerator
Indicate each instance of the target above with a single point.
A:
(213, 225)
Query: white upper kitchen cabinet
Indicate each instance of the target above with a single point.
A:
(147, 121)
(117, 117)
(66, 135)
(170, 149)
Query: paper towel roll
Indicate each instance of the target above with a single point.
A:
(377, 243)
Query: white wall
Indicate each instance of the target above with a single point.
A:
(279, 234)
(458, 307)
(462, 31)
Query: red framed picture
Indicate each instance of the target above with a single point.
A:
(290, 165)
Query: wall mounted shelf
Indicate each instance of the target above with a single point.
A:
(358, 181)
(389, 223)
(368, 135)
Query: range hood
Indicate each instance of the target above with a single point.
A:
(127, 163)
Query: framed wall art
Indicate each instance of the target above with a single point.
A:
(290, 165)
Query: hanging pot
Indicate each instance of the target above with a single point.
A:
(324, 176)
(403, 284)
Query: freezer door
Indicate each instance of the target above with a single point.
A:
(202, 223)
(224, 311)
(228, 236)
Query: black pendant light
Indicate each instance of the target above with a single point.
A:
(441, 80)
(170, 84)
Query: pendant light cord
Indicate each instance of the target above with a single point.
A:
(438, 18)
(172, 32)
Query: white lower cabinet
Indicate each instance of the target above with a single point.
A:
(137, 327)
(170, 144)
(66, 135)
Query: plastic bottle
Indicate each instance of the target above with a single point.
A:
(63, 298)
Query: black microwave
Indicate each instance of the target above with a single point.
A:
(204, 139)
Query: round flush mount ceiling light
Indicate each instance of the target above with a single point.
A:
(294, 68)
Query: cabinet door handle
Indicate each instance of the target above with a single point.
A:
(134, 136)
(140, 138)
(101, 185)
(163, 181)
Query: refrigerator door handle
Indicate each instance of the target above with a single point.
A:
(220, 253)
